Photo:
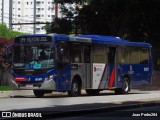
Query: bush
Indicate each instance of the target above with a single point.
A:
(6, 38)
(8, 33)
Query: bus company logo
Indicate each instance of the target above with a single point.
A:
(130, 70)
(6, 114)
(130, 67)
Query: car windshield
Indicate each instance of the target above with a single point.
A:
(33, 57)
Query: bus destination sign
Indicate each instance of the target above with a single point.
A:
(30, 39)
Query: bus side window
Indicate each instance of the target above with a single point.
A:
(123, 55)
(144, 55)
(62, 56)
(99, 54)
(87, 54)
(76, 53)
(111, 55)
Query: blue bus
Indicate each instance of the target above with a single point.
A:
(54, 62)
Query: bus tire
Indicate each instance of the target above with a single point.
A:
(75, 88)
(38, 93)
(92, 92)
(125, 88)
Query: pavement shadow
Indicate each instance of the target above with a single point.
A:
(61, 111)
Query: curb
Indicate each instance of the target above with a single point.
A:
(6, 94)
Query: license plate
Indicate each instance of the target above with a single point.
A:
(29, 86)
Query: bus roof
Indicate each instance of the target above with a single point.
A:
(28, 35)
(113, 40)
(99, 39)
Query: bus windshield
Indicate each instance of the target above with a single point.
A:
(33, 57)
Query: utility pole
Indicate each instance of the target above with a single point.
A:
(34, 13)
(2, 11)
(10, 13)
(56, 9)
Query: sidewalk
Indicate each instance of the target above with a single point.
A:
(29, 93)
(5, 94)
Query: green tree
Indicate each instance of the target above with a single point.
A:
(47, 27)
(3, 31)
(136, 18)
(61, 26)
(68, 23)
(106, 17)
(6, 38)
(7, 33)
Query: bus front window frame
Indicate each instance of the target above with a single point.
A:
(33, 56)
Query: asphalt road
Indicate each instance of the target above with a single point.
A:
(58, 104)
(51, 101)
(146, 113)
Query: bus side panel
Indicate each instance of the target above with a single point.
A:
(87, 79)
(88, 76)
(142, 74)
(111, 77)
(123, 69)
(98, 73)
(139, 74)
(78, 69)
(104, 80)
(103, 76)
(63, 82)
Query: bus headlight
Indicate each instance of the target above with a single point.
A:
(49, 77)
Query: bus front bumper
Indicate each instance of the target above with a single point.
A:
(46, 85)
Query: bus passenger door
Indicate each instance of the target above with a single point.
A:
(103, 67)
(111, 66)
(63, 81)
(87, 60)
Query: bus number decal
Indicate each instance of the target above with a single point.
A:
(38, 79)
(146, 69)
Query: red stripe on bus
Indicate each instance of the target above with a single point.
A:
(111, 79)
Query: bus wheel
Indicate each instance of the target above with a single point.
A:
(38, 93)
(125, 89)
(75, 88)
(92, 92)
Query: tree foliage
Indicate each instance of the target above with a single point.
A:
(137, 20)
(7, 33)
(103, 16)
(61, 26)
(47, 27)
(6, 38)
(69, 11)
